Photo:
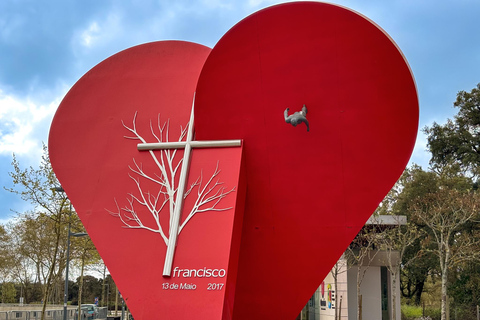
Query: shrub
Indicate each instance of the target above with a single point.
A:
(433, 313)
(411, 312)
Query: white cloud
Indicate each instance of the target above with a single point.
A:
(218, 4)
(22, 124)
(89, 36)
(97, 34)
(264, 3)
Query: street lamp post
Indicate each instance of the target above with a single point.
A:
(80, 234)
(108, 292)
(65, 291)
(65, 297)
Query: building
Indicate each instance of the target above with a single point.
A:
(339, 299)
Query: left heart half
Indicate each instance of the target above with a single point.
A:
(126, 198)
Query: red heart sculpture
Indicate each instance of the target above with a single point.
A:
(308, 193)
(122, 196)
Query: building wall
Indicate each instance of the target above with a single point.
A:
(318, 307)
(370, 291)
(339, 295)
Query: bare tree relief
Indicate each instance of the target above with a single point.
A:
(161, 202)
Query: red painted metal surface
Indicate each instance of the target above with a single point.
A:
(308, 193)
(91, 158)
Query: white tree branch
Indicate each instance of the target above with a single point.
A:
(162, 201)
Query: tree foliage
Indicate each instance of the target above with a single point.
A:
(416, 260)
(92, 288)
(6, 262)
(8, 292)
(447, 213)
(458, 141)
(38, 239)
(50, 207)
(455, 147)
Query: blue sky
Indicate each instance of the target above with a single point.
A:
(46, 46)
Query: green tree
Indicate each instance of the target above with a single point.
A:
(416, 260)
(27, 252)
(110, 291)
(447, 213)
(458, 141)
(92, 288)
(5, 253)
(35, 186)
(9, 293)
(464, 286)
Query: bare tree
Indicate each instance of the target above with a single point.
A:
(361, 253)
(446, 213)
(394, 243)
(341, 266)
(35, 186)
(160, 203)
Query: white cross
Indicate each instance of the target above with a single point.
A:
(187, 145)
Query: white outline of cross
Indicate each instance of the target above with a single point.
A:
(187, 145)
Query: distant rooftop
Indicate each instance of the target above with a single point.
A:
(387, 220)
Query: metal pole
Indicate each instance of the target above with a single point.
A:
(108, 292)
(116, 300)
(103, 284)
(65, 293)
(340, 309)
